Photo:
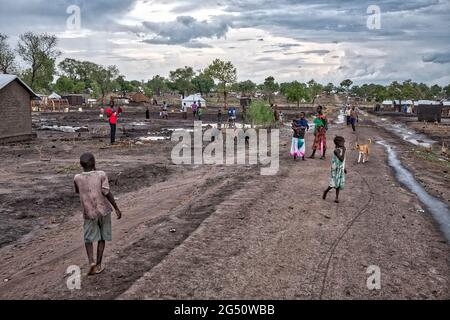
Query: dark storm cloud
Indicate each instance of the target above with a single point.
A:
(24, 15)
(184, 29)
(317, 52)
(440, 58)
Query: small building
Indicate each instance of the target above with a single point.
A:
(429, 112)
(139, 97)
(74, 99)
(15, 109)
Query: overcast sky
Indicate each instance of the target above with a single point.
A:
(291, 40)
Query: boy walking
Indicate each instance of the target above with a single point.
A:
(96, 200)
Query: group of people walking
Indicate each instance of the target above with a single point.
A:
(298, 148)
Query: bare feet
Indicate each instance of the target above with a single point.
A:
(92, 269)
(99, 269)
(337, 201)
(324, 197)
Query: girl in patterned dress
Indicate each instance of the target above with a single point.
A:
(338, 171)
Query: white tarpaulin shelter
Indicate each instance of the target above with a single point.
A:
(193, 98)
(54, 96)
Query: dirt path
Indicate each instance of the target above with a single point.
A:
(241, 235)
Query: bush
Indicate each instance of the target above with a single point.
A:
(261, 113)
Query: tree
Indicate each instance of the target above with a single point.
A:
(203, 83)
(297, 92)
(181, 80)
(104, 79)
(43, 77)
(64, 85)
(328, 88)
(37, 50)
(7, 59)
(158, 85)
(225, 73)
(345, 86)
(270, 87)
(314, 89)
(395, 92)
(436, 91)
(247, 87)
(446, 90)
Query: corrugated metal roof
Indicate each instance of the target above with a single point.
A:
(6, 79)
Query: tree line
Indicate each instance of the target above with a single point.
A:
(39, 54)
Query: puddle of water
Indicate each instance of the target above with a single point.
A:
(152, 138)
(406, 133)
(66, 129)
(341, 117)
(439, 210)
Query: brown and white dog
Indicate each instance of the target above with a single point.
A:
(364, 151)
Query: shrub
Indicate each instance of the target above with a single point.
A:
(261, 113)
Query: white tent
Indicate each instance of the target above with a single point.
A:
(54, 96)
(193, 98)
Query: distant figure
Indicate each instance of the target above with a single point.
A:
(194, 107)
(199, 113)
(354, 118)
(348, 114)
(96, 200)
(219, 119)
(232, 115)
(184, 110)
(338, 171)
(112, 116)
(164, 111)
(147, 114)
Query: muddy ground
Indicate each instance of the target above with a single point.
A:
(238, 235)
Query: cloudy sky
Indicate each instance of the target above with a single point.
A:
(289, 39)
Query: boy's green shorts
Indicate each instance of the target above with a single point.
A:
(98, 229)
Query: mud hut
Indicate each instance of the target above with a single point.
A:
(15, 109)
(139, 97)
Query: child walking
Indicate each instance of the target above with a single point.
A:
(338, 170)
(298, 146)
(95, 196)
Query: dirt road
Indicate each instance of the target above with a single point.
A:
(240, 235)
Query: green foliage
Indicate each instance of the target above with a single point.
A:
(261, 113)
(297, 92)
(203, 83)
(64, 85)
(314, 90)
(270, 87)
(247, 87)
(225, 73)
(181, 80)
(39, 52)
(41, 79)
(7, 58)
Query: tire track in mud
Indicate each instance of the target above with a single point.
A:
(155, 241)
